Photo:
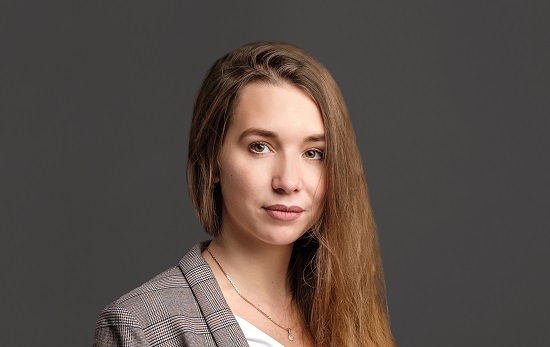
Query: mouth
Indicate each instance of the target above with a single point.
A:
(283, 212)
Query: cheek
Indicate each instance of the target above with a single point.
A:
(320, 196)
(239, 179)
(319, 187)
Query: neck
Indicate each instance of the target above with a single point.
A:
(254, 268)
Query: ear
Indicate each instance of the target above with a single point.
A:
(216, 179)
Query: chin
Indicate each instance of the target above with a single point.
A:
(282, 237)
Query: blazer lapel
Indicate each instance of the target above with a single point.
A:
(218, 316)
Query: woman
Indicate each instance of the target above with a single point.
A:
(276, 179)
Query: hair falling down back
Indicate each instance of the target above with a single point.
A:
(336, 270)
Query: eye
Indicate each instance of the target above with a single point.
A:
(313, 154)
(259, 148)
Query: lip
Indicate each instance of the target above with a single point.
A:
(283, 212)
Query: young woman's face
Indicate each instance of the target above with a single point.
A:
(272, 172)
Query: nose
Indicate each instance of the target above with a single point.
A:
(287, 176)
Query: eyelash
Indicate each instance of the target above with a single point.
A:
(317, 152)
(254, 144)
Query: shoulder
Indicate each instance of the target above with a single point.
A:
(159, 294)
(152, 297)
(162, 307)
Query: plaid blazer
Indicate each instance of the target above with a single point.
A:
(183, 306)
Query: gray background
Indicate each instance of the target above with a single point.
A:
(449, 100)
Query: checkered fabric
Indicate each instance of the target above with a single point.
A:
(183, 306)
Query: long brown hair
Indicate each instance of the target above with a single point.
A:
(335, 270)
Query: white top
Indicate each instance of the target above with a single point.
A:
(256, 337)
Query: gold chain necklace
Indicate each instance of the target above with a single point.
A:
(288, 330)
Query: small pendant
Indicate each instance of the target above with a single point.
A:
(290, 337)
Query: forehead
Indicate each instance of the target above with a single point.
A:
(280, 107)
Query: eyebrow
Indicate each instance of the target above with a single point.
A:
(259, 132)
(316, 138)
(273, 135)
